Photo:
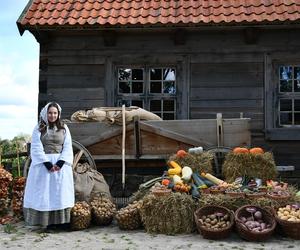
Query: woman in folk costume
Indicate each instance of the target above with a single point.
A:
(49, 191)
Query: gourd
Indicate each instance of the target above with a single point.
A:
(256, 151)
(181, 153)
(198, 181)
(212, 178)
(177, 179)
(239, 150)
(174, 168)
(186, 173)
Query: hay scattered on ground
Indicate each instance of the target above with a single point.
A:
(170, 214)
(253, 165)
(197, 162)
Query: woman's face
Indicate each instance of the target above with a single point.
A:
(52, 114)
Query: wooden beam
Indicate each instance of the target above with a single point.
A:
(251, 35)
(110, 38)
(180, 37)
(137, 137)
(173, 135)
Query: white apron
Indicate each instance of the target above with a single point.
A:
(45, 190)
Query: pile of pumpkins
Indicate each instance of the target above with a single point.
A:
(255, 151)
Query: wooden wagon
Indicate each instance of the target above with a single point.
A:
(148, 144)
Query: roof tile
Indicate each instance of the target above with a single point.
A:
(130, 12)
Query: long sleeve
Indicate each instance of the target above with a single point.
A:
(37, 152)
(67, 151)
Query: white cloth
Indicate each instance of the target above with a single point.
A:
(44, 112)
(45, 190)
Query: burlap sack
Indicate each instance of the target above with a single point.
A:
(113, 115)
(88, 183)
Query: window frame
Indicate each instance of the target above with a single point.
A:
(272, 96)
(147, 96)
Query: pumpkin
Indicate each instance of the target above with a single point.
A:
(165, 182)
(256, 151)
(239, 150)
(181, 153)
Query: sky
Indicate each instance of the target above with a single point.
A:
(19, 60)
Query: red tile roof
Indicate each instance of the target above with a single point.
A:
(150, 12)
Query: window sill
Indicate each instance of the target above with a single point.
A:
(283, 134)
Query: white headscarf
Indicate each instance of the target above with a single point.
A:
(44, 112)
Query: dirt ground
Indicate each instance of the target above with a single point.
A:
(18, 236)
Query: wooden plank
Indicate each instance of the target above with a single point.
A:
(114, 157)
(283, 134)
(71, 81)
(137, 134)
(227, 93)
(76, 70)
(245, 104)
(89, 133)
(173, 135)
(76, 60)
(211, 57)
(77, 93)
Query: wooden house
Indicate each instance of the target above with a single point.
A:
(181, 59)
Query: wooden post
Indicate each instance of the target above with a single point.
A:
(220, 134)
(18, 160)
(137, 136)
(123, 146)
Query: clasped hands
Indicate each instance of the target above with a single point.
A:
(54, 168)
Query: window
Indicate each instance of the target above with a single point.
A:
(151, 88)
(282, 96)
(289, 95)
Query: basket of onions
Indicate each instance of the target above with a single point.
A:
(214, 222)
(254, 223)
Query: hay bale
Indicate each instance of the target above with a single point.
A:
(253, 165)
(197, 162)
(170, 214)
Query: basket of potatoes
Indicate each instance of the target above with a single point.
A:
(254, 223)
(214, 222)
(288, 218)
(80, 216)
(128, 217)
(103, 210)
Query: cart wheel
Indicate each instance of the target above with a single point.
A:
(79, 151)
(219, 154)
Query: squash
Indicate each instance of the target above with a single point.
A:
(239, 150)
(256, 151)
(177, 180)
(186, 173)
(181, 153)
(174, 168)
(165, 182)
(212, 178)
(198, 181)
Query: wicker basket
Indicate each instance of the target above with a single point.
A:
(235, 194)
(278, 197)
(216, 191)
(289, 228)
(162, 192)
(209, 233)
(245, 233)
(255, 195)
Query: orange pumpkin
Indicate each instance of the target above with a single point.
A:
(239, 150)
(181, 153)
(165, 182)
(256, 151)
